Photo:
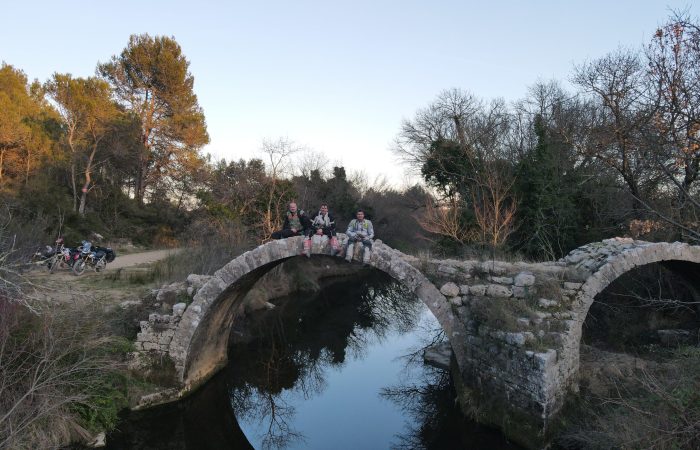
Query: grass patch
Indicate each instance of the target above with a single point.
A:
(500, 313)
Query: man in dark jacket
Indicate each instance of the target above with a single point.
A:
(323, 223)
(296, 223)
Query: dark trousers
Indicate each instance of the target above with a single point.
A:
(282, 234)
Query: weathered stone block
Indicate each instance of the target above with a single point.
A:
(179, 309)
(501, 280)
(494, 267)
(149, 346)
(546, 303)
(449, 289)
(542, 315)
(519, 291)
(496, 290)
(545, 360)
(517, 339)
(478, 289)
(464, 289)
(524, 279)
(446, 270)
(197, 281)
(569, 293)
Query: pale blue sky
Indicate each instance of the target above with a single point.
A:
(337, 77)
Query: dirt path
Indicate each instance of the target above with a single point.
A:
(63, 286)
(134, 259)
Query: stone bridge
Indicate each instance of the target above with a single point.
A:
(515, 328)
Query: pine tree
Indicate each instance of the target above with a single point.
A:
(151, 79)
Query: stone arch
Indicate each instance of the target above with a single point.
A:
(200, 342)
(604, 265)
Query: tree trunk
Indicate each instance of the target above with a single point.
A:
(88, 179)
(72, 169)
(2, 165)
(74, 186)
(28, 166)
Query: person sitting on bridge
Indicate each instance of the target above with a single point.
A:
(322, 225)
(359, 230)
(296, 223)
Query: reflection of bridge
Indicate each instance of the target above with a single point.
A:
(515, 328)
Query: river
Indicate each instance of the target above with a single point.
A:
(338, 369)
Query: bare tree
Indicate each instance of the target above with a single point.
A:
(450, 117)
(279, 190)
(494, 208)
(616, 84)
(445, 220)
(311, 161)
(674, 72)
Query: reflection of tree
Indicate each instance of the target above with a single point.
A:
(437, 423)
(428, 400)
(254, 404)
(296, 342)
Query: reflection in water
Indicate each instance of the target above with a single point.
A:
(337, 369)
(305, 341)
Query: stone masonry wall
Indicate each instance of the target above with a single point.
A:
(515, 321)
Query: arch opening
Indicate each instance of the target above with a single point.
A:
(645, 309)
(199, 347)
(639, 356)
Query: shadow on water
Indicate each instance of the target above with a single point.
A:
(324, 369)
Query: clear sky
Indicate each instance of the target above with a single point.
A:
(336, 77)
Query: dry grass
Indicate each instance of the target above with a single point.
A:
(656, 406)
(59, 376)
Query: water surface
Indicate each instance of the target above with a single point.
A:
(337, 369)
